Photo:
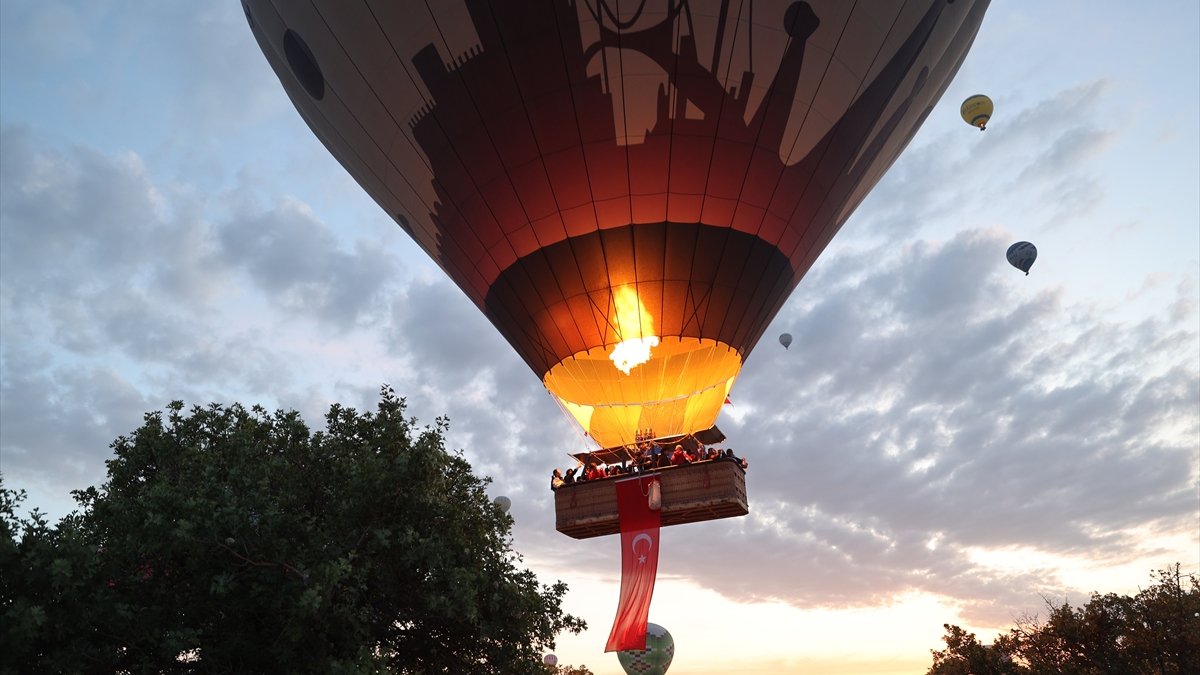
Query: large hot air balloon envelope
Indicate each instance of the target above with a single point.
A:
(785, 340)
(628, 191)
(503, 503)
(1021, 256)
(976, 111)
(655, 659)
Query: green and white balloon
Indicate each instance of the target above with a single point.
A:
(655, 659)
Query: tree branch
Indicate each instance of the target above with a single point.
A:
(259, 563)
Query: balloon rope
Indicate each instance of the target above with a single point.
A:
(583, 436)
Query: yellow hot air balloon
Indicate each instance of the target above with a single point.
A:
(629, 193)
(976, 111)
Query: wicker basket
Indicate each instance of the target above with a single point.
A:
(690, 494)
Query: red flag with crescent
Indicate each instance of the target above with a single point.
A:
(639, 564)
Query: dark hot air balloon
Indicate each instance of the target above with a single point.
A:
(628, 192)
(785, 340)
(1021, 256)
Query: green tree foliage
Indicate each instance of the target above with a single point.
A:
(234, 540)
(1157, 631)
(965, 655)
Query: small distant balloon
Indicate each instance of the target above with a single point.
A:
(1021, 256)
(655, 659)
(976, 111)
(785, 340)
(550, 660)
(503, 503)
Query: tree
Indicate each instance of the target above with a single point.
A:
(1156, 631)
(965, 655)
(233, 540)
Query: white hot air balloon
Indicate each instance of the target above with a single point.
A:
(503, 503)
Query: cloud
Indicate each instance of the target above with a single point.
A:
(90, 253)
(458, 365)
(1041, 157)
(53, 201)
(929, 407)
(928, 410)
(58, 422)
(123, 290)
(932, 409)
(300, 264)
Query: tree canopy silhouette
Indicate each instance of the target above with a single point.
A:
(1156, 631)
(228, 539)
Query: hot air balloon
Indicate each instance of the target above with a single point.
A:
(655, 659)
(629, 193)
(785, 340)
(550, 660)
(976, 111)
(503, 503)
(1021, 256)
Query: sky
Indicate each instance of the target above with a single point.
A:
(946, 441)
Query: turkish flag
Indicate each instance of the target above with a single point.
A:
(639, 564)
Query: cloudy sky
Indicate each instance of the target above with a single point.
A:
(947, 440)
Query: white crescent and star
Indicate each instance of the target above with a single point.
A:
(649, 545)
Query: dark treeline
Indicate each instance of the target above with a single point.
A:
(1156, 631)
